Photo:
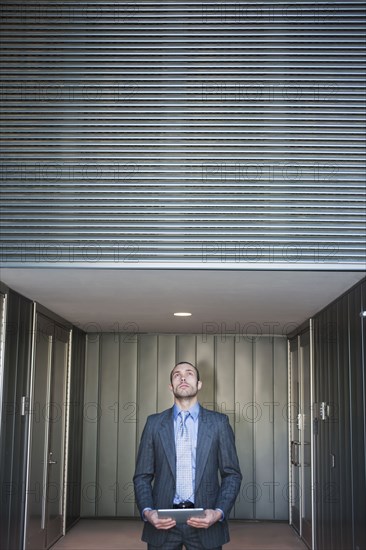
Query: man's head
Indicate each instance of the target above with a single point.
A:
(185, 380)
(187, 364)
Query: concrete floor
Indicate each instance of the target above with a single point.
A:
(119, 534)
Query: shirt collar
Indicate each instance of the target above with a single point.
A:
(194, 411)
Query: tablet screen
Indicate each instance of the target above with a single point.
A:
(181, 514)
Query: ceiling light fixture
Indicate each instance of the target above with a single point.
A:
(182, 314)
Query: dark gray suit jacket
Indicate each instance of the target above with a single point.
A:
(154, 478)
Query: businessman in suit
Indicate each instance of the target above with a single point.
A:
(168, 475)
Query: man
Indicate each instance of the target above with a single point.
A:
(169, 476)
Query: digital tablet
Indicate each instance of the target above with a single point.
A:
(181, 514)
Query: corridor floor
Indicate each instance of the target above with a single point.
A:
(90, 534)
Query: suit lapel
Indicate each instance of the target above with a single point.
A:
(166, 434)
(204, 441)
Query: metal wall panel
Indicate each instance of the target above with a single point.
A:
(147, 380)
(332, 494)
(183, 131)
(229, 371)
(323, 472)
(108, 424)
(186, 348)
(77, 379)
(225, 376)
(166, 361)
(91, 414)
(128, 413)
(263, 427)
(244, 427)
(206, 361)
(345, 456)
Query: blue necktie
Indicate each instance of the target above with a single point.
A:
(184, 459)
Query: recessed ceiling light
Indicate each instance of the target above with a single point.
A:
(182, 314)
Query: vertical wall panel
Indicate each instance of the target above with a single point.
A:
(75, 426)
(244, 428)
(324, 485)
(225, 376)
(186, 348)
(345, 456)
(108, 424)
(206, 364)
(147, 378)
(91, 413)
(166, 361)
(127, 422)
(228, 371)
(264, 436)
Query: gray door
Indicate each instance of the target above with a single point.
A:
(295, 443)
(305, 439)
(46, 470)
(56, 437)
(300, 436)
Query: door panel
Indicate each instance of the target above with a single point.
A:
(56, 438)
(300, 436)
(46, 468)
(35, 538)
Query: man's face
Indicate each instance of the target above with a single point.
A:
(184, 381)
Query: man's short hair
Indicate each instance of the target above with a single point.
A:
(185, 363)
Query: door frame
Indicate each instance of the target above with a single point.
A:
(38, 309)
(307, 328)
(3, 320)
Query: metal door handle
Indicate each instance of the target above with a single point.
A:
(50, 461)
(294, 460)
(299, 421)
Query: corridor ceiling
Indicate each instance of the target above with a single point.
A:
(144, 300)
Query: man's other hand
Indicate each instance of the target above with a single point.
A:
(211, 517)
(159, 523)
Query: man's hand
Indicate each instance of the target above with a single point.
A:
(159, 523)
(211, 517)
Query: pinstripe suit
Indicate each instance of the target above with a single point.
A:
(154, 477)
